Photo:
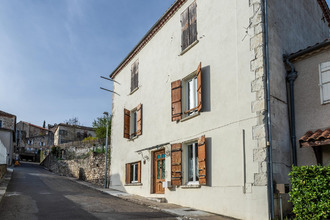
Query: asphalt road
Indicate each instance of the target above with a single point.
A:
(35, 193)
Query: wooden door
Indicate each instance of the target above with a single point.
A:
(159, 171)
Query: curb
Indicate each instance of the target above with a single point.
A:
(5, 181)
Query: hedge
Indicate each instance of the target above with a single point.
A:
(310, 193)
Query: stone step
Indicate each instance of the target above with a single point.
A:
(155, 199)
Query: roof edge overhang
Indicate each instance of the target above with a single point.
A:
(325, 9)
(147, 37)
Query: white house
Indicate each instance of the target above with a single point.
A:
(200, 116)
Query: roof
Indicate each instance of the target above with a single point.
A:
(317, 138)
(310, 50)
(2, 113)
(36, 126)
(147, 37)
(325, 9)
(75, 126)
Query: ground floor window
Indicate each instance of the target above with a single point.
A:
(192, 163)
(133, 172)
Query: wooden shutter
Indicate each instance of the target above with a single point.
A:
(325, 82)
(139, 120)
(176, 100)
(128, 173)
(126, 123)
(139, 171)
(134, 75)
(176, 172)
(192, 23)
(202, 160)
(184, 29)
(199, 87)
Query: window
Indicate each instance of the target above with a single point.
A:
(193, 165)
(325, 82)
(135, 76)
(63, 132)
(188, 26)
(133, 172)
(191, 92)
(0, 123)
(133, 122)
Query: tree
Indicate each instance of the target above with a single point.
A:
(72, 121)
(100, 125)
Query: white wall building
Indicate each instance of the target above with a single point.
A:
(190, 121)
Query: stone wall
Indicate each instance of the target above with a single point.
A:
(3, 170)
(90, 169)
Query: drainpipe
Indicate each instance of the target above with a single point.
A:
(291, 77)
(269, 134)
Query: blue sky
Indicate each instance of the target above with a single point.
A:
(53, 54)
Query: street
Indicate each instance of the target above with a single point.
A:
(35, 193)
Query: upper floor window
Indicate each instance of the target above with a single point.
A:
(188, 26)
(133, 122)
(187, 95)
(325, 82)
(135, 76)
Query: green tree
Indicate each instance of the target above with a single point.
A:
(100, 125)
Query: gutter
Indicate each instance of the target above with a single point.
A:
(269, 133)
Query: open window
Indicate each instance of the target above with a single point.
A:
(188, 163)
(133, 172)
(133, 122)
(187, 95)
(325, 82)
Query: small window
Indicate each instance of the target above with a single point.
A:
(325, 82)
(133, 172)
(192, 163)
(133, 122)
(190, 100)
(0, 123)
(188, 26)
(135, 75)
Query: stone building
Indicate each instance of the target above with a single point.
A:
(7, 134)
(201, 118)
(64, 133)
(310, 74)
(31, 139)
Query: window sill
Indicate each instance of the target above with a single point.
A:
(189, 117)
(192, 186)
(134, 90)
(189, 47)
(134, 184)
(133, 138)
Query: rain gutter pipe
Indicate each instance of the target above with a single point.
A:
(269, 134)
(291, 77)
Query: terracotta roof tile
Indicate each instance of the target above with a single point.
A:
(317, 138)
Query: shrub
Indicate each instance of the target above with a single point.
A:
(90, 138)
(310, 192)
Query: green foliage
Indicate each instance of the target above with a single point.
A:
(90, 138)
(56, 151)
(100, 125)
(310, 192)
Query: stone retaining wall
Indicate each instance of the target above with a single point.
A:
(3, 170)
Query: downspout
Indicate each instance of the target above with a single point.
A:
(291, 77)
(269, 134)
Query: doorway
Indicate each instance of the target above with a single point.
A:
(159, 171)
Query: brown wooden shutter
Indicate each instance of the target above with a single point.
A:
(139, 120)
(128, 173)
(176, 100)
(192, 22)
(202, 160)
(139, 171)
(184, 29)
(199, 86)
(176, 172)
(126, 123)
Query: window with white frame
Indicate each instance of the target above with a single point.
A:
(190, 100)
(133, 172)
(325, 82)
(133, 123)
(192, 163)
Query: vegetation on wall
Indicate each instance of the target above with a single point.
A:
(100, 125)
(310, 192)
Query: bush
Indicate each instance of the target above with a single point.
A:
(90, 138)
(310, 192)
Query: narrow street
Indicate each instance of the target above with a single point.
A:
(35, 193)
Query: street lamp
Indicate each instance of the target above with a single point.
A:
(106, 114)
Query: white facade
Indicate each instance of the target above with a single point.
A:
(230, 48)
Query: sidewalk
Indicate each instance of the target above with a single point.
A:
(183, 212)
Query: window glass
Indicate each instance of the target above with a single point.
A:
(192, 93)
(192, 162)
(134, 172)
(0, 123)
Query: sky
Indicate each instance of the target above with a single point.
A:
(52, 54)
